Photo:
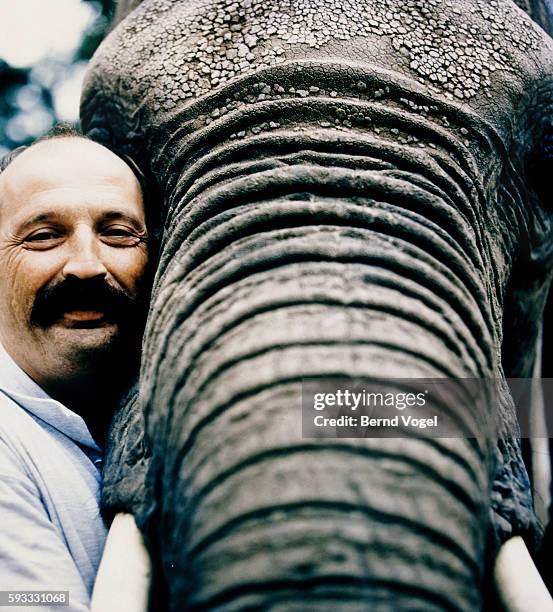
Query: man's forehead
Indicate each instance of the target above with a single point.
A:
(60, 162)
(66, 157)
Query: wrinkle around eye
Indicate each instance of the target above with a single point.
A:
(122, 234)
(41, 239)
(122, 239)
(42, 245)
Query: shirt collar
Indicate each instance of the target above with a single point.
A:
(15, 383)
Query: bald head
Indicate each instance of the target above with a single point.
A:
(67, 160)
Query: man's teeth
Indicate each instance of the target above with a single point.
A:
(84, 315)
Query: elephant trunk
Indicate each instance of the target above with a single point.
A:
(317, 257)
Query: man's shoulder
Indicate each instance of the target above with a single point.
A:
(13, 464)
(19, 435)
(14, 419)
(34, 544)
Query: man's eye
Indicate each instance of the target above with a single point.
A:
(42, 238)
(120, 236)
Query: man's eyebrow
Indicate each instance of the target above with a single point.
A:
(116, 215)
(39, 218)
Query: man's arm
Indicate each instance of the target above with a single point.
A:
(33, 554)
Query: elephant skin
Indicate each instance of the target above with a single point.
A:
(345, 189)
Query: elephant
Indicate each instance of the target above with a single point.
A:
(342, 189)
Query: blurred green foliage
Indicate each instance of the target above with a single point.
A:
(27, 105)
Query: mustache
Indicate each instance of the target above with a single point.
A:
(52, 301)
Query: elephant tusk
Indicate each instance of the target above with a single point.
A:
(519, 584)
(124, 575)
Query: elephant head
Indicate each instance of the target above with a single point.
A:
(345, 189)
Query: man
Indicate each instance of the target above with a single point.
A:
(73, 253)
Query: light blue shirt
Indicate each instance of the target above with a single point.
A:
(51, 532)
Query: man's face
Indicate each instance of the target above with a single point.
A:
(72, 255)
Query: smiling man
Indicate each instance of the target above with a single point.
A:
(73, 254)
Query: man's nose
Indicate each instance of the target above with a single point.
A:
(84, 259)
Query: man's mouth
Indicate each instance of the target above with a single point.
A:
(78, 304)
(84, 318)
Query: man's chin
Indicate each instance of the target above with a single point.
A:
(83, 339)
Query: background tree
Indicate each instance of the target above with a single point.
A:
(31, 97)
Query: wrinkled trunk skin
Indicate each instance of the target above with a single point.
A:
(259, 295)
(323, 217)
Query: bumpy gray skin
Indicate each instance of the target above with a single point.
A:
(344, 190)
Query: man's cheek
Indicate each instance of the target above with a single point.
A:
(22, 302)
